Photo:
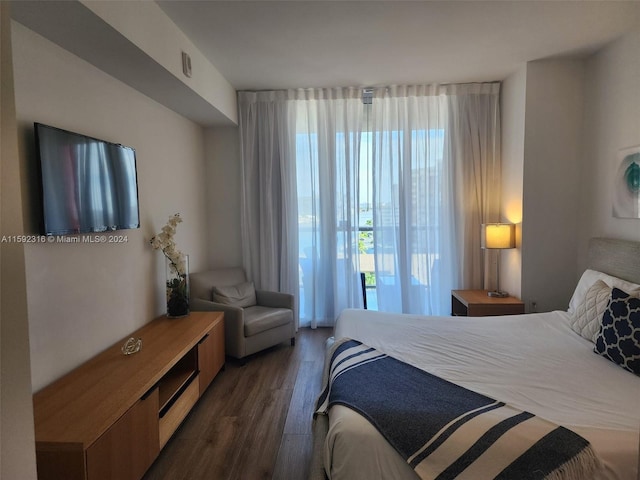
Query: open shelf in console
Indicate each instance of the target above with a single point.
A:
(173, 383)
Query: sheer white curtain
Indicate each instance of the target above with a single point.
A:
(435, 181)
(299, 152)
(329, 127)
(268, 190)
(474, 153)
(413, 220)
(434, 176)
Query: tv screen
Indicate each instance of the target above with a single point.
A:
(88, 185)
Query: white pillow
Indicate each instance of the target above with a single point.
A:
(242, 295)
(589, 277)
(587, 318)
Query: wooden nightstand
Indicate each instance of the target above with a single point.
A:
(476, 303)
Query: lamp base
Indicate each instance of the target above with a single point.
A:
(498, 294)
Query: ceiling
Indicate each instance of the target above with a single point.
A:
(259, 45)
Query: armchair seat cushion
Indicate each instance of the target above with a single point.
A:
(258, 319)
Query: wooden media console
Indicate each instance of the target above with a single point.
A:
(110, 417)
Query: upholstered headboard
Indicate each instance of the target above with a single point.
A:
(620, 258)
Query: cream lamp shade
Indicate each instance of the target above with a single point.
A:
(498, 235)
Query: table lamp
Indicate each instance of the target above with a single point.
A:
(498, 236)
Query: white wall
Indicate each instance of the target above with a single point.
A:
(223, 196)
(512, 114)
(84, 297)
(564, 122)
(151, 30)
(17, 444)
(612, 122)
(552, 160)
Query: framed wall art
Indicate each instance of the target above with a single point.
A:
(626, 184)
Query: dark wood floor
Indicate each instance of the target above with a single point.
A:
(254, 421)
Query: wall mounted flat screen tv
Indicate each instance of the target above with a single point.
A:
(88, 185)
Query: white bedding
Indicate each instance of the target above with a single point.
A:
(534, 362)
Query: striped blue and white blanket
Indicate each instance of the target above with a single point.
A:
(445, 431)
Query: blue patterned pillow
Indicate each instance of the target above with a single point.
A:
(619, 336)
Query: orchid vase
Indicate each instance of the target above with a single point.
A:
(178, 288)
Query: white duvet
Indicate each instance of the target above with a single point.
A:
(534, 362)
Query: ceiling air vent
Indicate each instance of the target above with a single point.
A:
(186, 64)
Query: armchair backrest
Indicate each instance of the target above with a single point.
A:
(201, 283)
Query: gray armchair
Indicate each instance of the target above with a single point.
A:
(251, 323)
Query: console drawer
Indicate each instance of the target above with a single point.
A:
(174, 416)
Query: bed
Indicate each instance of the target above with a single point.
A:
(540, 363)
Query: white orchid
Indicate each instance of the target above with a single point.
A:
(164, 241)
(177, 281)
